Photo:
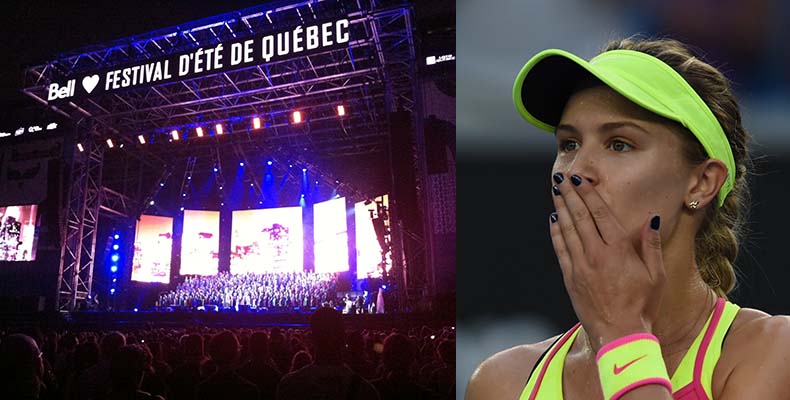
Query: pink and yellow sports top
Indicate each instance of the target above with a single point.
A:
(692, 379)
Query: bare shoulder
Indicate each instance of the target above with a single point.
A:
(755, 357)
(503, 375)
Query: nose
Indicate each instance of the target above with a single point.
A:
(584, 164)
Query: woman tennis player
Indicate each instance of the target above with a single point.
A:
(649, 185)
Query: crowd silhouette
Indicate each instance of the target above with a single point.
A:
(326, 361)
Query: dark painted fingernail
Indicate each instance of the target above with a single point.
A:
(558, 178)
(555, 190)
(655, 222)
(576, 180)
(553, 217)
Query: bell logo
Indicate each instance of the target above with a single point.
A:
(58, 92)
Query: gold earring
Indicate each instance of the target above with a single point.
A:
(693, 205)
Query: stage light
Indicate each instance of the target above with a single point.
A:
(251, 185)
(161, 184)
(304, 169)
(215, 168)
(121, 146)
(199, 131)
(383, 287)
(174, 134)
(189, 177)
(80, 148)
(297, 117)
(182, 208)
(256, 123)
(51, 126)
(150, 203)
(220, 188)
(109, 143)
(117, 236)
(183, 195)
(290, 165)
(115, 247)
(241, 164)
(218, 128)
(114, 280)
(341, 111)
(114, 258)
(222, 204)
(135, 310)
(114, 269)
(302, 195)
(112, 291)
(269, 162)
(141, 138)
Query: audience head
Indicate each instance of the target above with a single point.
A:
(446, 351)
(224, 348)
(111, 342)
(300, 359)
(398, 353)
(127, 368)
(327, 330)
(193, 345)
(259, 345)
(86, 355)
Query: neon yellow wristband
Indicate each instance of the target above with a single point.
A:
(630, 362)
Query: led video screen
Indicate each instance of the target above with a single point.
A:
(369, 247)
(268, 240)
(330, 234)
(18, 233)
(153, 246)
(200, 243)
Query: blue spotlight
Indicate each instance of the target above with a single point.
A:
(216, 169)
(241, 164)
(114, 280)
(117, 236)
(304, 170)
(182, 208)
(383, 287)
(115, 247)
(269, 162)
(114, 258)
(114, 269)
(135, 309)
(161, 184)
(112, 291)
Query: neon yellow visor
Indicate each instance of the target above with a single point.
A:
(545, 83)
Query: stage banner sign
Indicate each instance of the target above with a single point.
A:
(23, 171)
(219, 57)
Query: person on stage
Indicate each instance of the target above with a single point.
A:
(650, 188)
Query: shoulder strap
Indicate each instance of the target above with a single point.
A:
(710, 348)
(530, 390)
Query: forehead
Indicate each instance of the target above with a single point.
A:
(600, 103)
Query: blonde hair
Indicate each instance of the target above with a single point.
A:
(716, 242)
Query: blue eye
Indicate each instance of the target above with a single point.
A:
(568, 145)
(620, 146)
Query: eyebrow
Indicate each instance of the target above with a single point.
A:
(608, 126)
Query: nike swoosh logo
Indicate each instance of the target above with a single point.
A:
(618, 370)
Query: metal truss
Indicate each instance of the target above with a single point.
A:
(75, 273)
(371, 76)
